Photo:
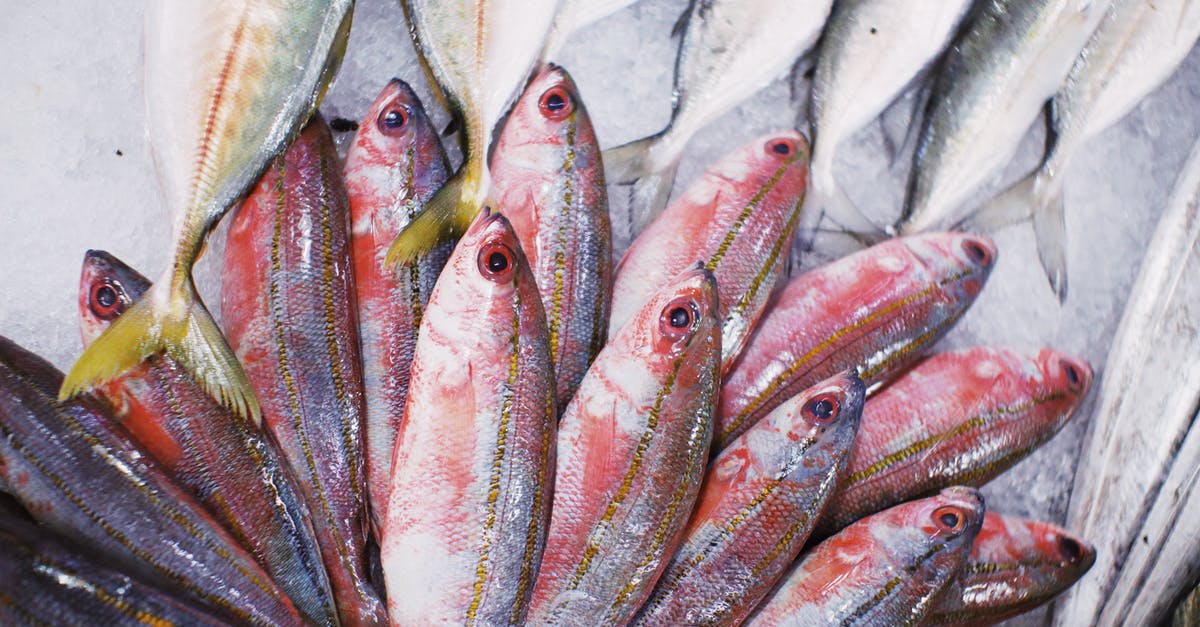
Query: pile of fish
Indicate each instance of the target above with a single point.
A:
(434, 399)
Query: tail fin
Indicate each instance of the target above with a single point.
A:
(652, 182)
(195, 342)
(1014, 205)
(446, 216)
(628, 162)
(827, 199)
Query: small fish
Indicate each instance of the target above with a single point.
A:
(573, 15)
(480, 53)
(393, 167)
(738, 220)
(1137, 46)
(228, 84)
(472, 481)
(730, 49)
(221, 458)
(548, 180)
(760, 499)
(956, 418)
(288, 307)
(886, 569)
(1015, 566)
(871, 50)
(632, 447)
(1012, 57)
(877, 310)
(81, 475)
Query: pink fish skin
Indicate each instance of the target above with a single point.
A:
(548, 180)
(289, 312)
(760, 499)
(1015, 566)
(472, 480)
(886, 569)
(738, 220)
(394, 165)
(222, 459)
(632, 447)
(957, 418)
(877, 310)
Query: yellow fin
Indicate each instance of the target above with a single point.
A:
(445, 217)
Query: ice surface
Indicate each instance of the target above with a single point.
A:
(72, 71)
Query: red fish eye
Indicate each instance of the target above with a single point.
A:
(1074, 378)
(105, 301)
(978, 252)
(1070, 549)
(393, 120)
(782, 147)
(679, 318)
(949, 519)
(823, 409)
(496, 262)
(556, 103)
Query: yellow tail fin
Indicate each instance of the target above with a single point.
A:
(195, 342)
(445, 217)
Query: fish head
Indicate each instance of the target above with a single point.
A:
(829, 412)
(960, 263)
(1066, 374)
(549, 111)
(107, 287)
(394, 132)
(680, 317)
(490, 255)
(936, 534)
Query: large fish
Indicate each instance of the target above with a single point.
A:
(548, 180)
(871, 50)
(1015, 566)
(392, 168)
(222, 459)
(1012, 57)
(886, 569)
(1137, 46)
(877, 310)
(738, 220)
(288, 304)
(480, 53)
(228, 84)
(729, 50)
(760, 499)
(957, 418)
(474, 458)
(1130, 470)
(82, 476)
(632, 447)
(573, 15)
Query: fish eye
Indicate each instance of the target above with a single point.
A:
(679, 318)
(1074, 379)
(949, 519)
(393, 119)
(823, 409)
(556, 103)
(496, 262)
(1070, 549)
(977, 251)
(782, 147)
(105, 301)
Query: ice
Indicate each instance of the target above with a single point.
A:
(72, 72)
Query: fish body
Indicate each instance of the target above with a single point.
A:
(956, 418)
(886, 569)
(738, 220)
(730, 49)
(288, 304)
(877, 310)
(1015, 566)
(480, 53)
(221, 458)
(1012, 57)
(228, 84)
(474, 459)
(393, 167)
(871, 50)
(632, 447)
(760, 499)
(573, 15)
(79, 474)
(548, 180)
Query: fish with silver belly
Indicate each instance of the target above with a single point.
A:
(81, 475)
(729, 50)
(632, 447)
(228, 84)
(1012, 57)
(886, 569)
(394, 165)
(223, 459)
(877, 310)
(760, 499)
(573, 15)
(480, 53)
(475, 454)
(956, 418)
(738, 220)
(288, 308)
(547, 179)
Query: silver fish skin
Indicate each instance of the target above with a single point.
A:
(870, 51)
(1135, 478)
(1012, 57)
(1137, 46)
(573, 15)
(730, 49)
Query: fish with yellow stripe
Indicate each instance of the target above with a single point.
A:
(228, 84)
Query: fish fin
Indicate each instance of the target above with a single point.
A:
(830, 199)
(447, 215)
(195, 342)
(1050, 229)
(894, 145)
(627, 163)
(1014, 205)
(681, 22)
(650, 195)
(631, 163)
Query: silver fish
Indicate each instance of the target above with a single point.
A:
(573, 15)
